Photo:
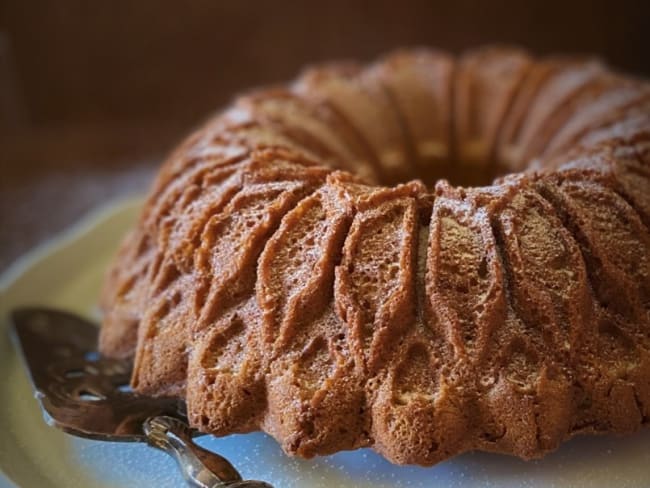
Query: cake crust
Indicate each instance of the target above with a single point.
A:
(286, 276)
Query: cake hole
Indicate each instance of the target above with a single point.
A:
(124, 388)
(89, 396)
(91, 356)
(63, 351)
(482, 269)
(74, 373)
(615, 335)
(90, 369)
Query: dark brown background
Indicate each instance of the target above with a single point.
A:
(92, 94)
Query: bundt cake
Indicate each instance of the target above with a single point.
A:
(286, 276)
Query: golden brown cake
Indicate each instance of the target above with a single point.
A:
(302, 266)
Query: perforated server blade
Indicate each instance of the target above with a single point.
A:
(87, 395)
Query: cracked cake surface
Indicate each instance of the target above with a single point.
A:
(303, 265)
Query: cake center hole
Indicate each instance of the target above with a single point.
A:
(458, 173)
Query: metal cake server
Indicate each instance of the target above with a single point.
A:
(87, 395)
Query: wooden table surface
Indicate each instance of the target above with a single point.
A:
(93, 95)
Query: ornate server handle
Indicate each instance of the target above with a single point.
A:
(201, 468)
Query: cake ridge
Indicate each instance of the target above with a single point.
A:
(337, 226)
(393, 272)
(345, 84)
(499, 71)
(623, 94)
(571, 87)
(419, 102)
(588, 237)
(514, 404)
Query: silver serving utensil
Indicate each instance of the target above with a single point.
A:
(87, 395)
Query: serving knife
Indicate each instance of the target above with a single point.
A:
(87, 395)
